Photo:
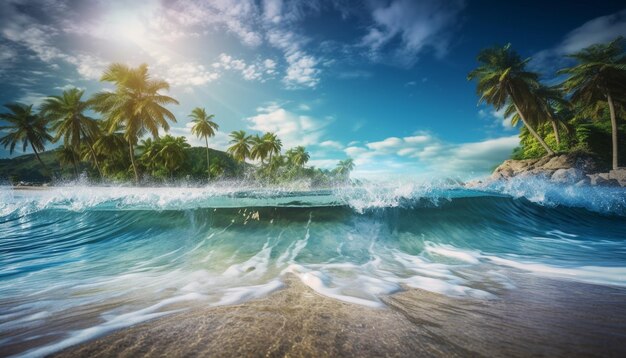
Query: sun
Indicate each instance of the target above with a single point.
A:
(128, 26)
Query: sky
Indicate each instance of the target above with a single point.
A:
(380, 81)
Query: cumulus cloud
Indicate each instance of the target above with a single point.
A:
(292, 128)
(416, 25)
(424, 153)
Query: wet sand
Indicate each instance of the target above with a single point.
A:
(540, 317)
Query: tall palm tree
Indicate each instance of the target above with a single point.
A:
(599, 75)
(503, 78)
(258, 149)
(273, 144)
(27, 127)
(298, 156)
(203, 127)
(136, 104)
(344, 167)
(66, 114)
(240, 148)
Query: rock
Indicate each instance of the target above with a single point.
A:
(619, 175)
(602, 179)
(545, 166)
(567, 176)
(583, 182)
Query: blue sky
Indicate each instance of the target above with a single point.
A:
(383, 82)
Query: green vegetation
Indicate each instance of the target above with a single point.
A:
(579, 115)
(126, 145)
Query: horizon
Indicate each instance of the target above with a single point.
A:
(383, 83)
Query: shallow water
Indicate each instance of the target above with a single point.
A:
(79, 262)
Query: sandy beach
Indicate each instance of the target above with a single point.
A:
(564, 319)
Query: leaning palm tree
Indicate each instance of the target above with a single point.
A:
(240, 148)
(203, 127)
(258, 149)
(273, 144)
(66, 114)
(548, 106)
(26, 127)
(502, 79)
(599, 76)
(136, 104)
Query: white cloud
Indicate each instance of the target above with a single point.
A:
(417, 25)
(331, 144)
(220, 141)
(293, 129)
(426, 154)
(599, 30)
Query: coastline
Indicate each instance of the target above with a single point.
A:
(563, 319)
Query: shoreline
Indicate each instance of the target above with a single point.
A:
(562, 319)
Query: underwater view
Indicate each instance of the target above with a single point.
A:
(79, 262)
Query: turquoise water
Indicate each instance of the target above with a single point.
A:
(79, 262)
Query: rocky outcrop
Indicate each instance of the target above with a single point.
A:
(572, 168)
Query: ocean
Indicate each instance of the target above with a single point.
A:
(79, 262)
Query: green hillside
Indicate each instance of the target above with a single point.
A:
(26, 168)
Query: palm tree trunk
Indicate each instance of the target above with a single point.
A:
(93, 154)
(95, 159)
(557, 136)
(532, 131)
(74, 161)
(613, 130)
(208, 166)
(132, 161)
(39, 159)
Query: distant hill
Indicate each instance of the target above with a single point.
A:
(28, 169)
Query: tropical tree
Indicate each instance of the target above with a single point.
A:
(599, 76)
(27, 127)
(172, 152)
(258, 148)
(67, 155)
(112, 149)
(240, 145)
(66, 115)
(298, 156)
(273, 144)
(136, 104)
(203, 127)
(502, 79)
(548, 106)
(163, 154)
(344, 167)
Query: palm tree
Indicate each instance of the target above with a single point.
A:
(599, 75)
(27, 127)
(502, 78)
(298, 156)
(67, 155)
(66, 113)
(136, 104)
(258, 149)
(203, 127)
(344, 167)
(549, 105)
(112, 147)
(172, 152)
(240, 148)
(273, 144)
